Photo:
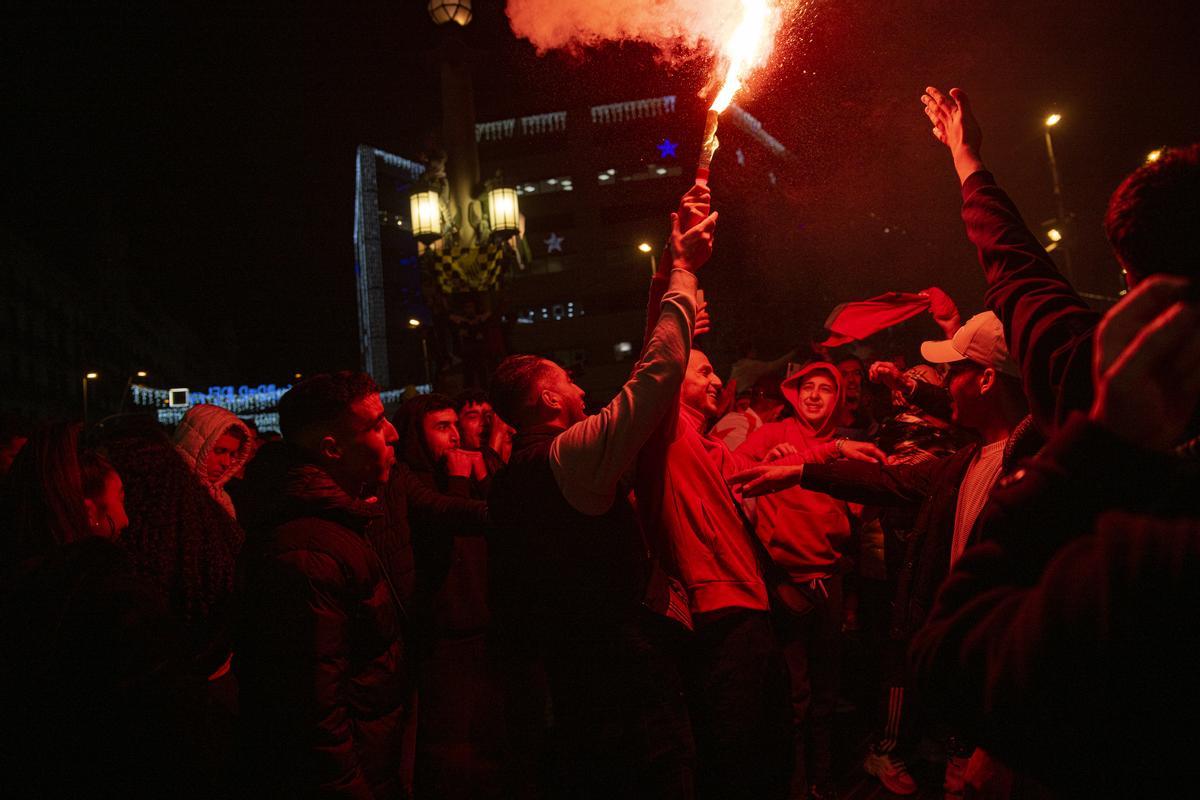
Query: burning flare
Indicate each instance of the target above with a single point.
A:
(747, 48)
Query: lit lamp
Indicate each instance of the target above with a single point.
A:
(646, 248)
(1060, 210)
(88, 376)
(503, 212)
(426, 211)
(443, 11)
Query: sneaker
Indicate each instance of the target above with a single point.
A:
(891, 771)
(955, 782)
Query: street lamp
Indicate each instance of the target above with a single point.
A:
(1154, 155)
(503, 211)
(425, 207)
(88, 376)
(457, 11)
(647, 248)
(1060, 211)
(415, 324)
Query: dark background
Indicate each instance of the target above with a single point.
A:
(207, 151)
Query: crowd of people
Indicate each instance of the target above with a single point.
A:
(500, 595)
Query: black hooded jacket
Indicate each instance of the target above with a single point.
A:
(320, 651)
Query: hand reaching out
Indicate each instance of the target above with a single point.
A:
(757, 481)
(955, 126)
(779, 451)
(889, 375)
(861, 451)
(1146, 365)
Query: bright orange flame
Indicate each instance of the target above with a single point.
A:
(746, 48)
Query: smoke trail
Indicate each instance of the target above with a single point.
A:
(669, 25)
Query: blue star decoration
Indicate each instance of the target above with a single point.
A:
(667, 149)
(741, 157)
(554, 243)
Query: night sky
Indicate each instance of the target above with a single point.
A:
(207, 150)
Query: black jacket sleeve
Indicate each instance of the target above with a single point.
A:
(1047, 325)
(872, 484)
(465, 515)
(933, 400)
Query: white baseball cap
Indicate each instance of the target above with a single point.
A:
(980, 339)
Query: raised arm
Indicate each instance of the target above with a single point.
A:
(1047, 325)
(590, 457)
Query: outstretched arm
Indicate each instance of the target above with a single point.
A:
(589, 458)
(1047, 325)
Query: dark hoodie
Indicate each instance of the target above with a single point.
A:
(806, 532)
(450, 558)
(324, 687)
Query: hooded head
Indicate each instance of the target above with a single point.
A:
(426, 427)
(815, 393)
(214, 443)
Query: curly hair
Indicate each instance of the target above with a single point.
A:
(1153, 218)
(178, 537)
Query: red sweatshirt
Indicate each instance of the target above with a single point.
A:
(687, 510)
(806, 532)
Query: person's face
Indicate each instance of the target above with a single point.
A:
(818, 393)
(701, 386)
(852, 379)
(560, 389)
(221, 456)
(742, 403)
(106, 512)
(441, 432)
(474, 424)
(363, 444)
(963, 383)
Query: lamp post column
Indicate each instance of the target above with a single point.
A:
(1059, 208)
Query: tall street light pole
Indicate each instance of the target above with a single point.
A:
(89, 376)
(1060, 209)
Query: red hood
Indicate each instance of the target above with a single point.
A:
(791, 392)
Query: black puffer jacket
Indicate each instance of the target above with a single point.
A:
(320, 660)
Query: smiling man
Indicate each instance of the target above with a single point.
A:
(808, 536)
(735, 675)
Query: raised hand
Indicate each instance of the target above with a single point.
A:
(943, 310)
(458, 463)
(691, 249)
(955, 126)
(694, 206)
(889, 375)
(1147, 364)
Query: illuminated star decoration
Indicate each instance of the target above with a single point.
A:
(554, 243)
(667, 149)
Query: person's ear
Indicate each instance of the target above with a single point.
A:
(551, 399)
(93, 512)
(329, 448)
(987, 380)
